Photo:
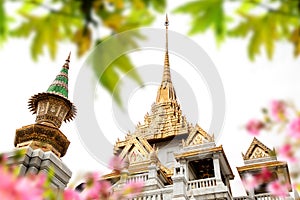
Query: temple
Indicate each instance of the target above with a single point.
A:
(175, 159)
(179, 161)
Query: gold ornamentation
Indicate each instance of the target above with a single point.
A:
(43, 135)
(257, 150)
(198, 136)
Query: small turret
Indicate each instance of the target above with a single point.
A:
(51, 108)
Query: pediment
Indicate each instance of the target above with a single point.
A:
(198, 136)
(258, 150)
(137, 150)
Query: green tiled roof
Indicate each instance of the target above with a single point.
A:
(60, 84)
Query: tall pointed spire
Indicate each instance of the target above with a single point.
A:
(58, 88)
(166, 74)
(60, 84)
(166, 92)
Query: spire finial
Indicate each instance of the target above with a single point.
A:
(167, 21)
(69, 56)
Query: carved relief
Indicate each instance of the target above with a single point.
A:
(257, 150)
(259, 153)
(197, 140)
(135, 156)
(198, 136)
(43, 134)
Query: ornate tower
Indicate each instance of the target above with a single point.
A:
(51, 108)
(185, 162)
(43, 142)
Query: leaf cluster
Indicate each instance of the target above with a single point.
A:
(261, 23)
(83, 23)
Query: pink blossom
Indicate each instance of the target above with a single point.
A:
(3, 159)
(278, 189)
(286, 153)
(264, 175)
(116, 164)
(92, 187)
(250, 182)
(70, 194)
(254, 126)
(294, 128)
(278, 110)
(104, 189)
(22, 188)
(133, 188)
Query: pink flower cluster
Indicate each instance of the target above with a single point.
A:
(97, 188)
(294, 128)
(275, 187)
(278, 110)
(36, 187)
(254, 126)
(286, 153)
(21, 188)
(116, 164)
(101, 189)
(280, 114)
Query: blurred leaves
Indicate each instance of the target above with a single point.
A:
(263, 33)
(46, 24)
(261, 23)
(83, 39)
(80, 22)
(206, 14)
(3, 22)
(109, 66)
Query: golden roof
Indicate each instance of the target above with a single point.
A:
(258, 150)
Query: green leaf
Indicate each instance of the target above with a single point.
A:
(28, 7)
(247, 6)
(126, 66)
(206, 14)
(109, 68)
(159, 5)
(264, 30)
(254, 46)
(83, 39)
(3, 23)
(110, 77)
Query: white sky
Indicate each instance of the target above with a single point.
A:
(248, 87)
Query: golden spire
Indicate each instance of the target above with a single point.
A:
(166, 92)
(166, 74)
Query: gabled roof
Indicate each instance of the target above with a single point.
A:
(258, 150)
(198, 136)
(138, 146)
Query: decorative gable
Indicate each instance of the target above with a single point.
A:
(137, 150)
(198, 136)
(258, 150)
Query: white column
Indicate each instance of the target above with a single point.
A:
(217, 168)
(179, 183)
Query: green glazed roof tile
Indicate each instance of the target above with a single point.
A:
(60, 83)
